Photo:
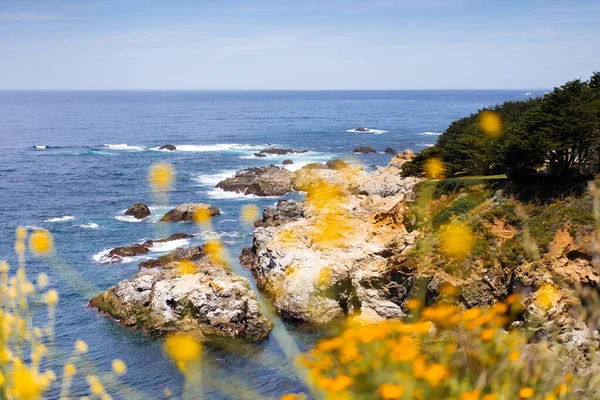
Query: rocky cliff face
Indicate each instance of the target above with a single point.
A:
(206, 300)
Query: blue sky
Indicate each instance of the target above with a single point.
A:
(327, 44)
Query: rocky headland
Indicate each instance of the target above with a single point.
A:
(199, 296)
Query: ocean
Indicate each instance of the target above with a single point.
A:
(73, 161)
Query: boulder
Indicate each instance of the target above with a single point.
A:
(264, 181)
(209, 303)
(169, 147)
(185, 212)
(287, 162)
(389, 150)
(117, 254)
(138, 210)
(260, 155)
(364, 149)
(337, 164)
(285, 211)
(180, 253)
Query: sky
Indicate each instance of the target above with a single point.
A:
(297, 45)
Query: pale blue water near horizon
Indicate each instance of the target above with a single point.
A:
(99, 146)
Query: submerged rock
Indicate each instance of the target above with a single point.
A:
(361, 129)
(287, 162)
(185, 212)
(364, 149)
(117, 254)
(139, 211)
(169, 147)
(264, 181)
(212, 302)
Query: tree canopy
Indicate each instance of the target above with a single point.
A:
(558, 134)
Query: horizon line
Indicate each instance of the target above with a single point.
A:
(269, 90)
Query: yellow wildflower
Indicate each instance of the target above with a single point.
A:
(81, 347)
(25, 386)
(40, 242)
(514, 356)
(182, 348)
(52, 297)
(391, 392)
(434, 168)
(526, 393)
(119, 367)
(456, 240)
(161, 176)
(339, 383)
(249, 213)
(490, 123)
(473, 395)
(435, 373)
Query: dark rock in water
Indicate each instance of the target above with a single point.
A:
(364, 149)
(287, 162)
(389, 150)
(169, 147)
(185, 212)
(210, 302)
(117, 254)
(280, 152)
(285, 211)
(361, 130)
(247, 257)
(179, 254)
(337, 164)
(264, 181)
(261, 155)
(139, 211)
(315, 165)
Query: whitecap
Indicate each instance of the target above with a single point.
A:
(213, 179)
(218, 193)
(431, 133)
(123, 146)
(163, 247)
(40, 147)
(127, 218)
(91, 225)
(218, 234)
(426, 144)
(101, 258)
(61, 219)
(369, 130)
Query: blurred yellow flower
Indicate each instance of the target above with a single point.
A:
(69, 369)
(514, 356)
(186, 267)
(182, 348)
(526, 393)
(434, 168)
(473, 395)
(202, 216)
(25, 386)
(21, 233)
(119, 367)
(215, 250)
(40, 242)
(488, 334)
(339, 383)
(435, 373)
(490, 123)
(81, 347)
(42, 280)
(546, 296)
(391, 392)
(249, 213)
(456, 240)
(52, 297)
(161, 176)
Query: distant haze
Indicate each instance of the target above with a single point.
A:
(310, 44)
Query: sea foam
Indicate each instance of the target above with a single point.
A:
(123, 146)
(61, 219)
(369, 130)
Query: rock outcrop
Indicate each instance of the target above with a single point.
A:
(181, 253)
(360, 129)
(389, 150)
(117, 254)
(139, 211)
(264, 181)
(337, 164)
(169, 147)
(185, 212)
(364, 149)
(278, 151)
(287, 162)
(210, 302)
(324, 261)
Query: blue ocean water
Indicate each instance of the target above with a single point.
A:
(94, 151)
